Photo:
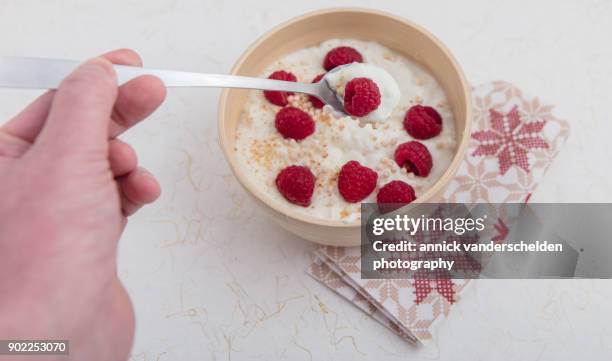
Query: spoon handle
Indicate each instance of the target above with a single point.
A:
(40, 73)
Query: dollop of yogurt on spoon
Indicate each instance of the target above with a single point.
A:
(388, 87)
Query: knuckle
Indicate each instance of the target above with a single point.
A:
(98, 72)
(101, 66)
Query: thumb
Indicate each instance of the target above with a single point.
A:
(81, 110)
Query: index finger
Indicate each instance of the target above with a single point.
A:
(137, 98)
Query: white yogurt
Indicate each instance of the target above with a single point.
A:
(389, 90)
(262, 152)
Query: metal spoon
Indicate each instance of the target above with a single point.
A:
(40, 73)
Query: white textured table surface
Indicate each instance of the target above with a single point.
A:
(212, 278)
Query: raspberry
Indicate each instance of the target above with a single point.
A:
(422, 122)
(296, 184)
(294, 123)
(356, 182)
(415, 157)
(340, 56)
(394, 195)
(277, 97)
(361, 97)
(316, 102)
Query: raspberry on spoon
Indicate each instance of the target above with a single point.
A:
(361, 97)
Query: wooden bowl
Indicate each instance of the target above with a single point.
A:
(311, 29)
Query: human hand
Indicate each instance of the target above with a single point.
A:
(67, 188)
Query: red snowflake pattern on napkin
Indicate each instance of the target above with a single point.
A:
(510, 139)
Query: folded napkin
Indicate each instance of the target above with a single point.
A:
(515, 137)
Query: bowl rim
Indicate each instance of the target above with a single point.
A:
(288, 212)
